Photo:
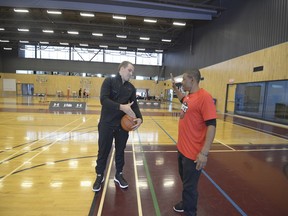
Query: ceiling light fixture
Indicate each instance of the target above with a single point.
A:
(158, 50)
(119, 17)
(44, 42)
(86, 45)
(21, 10)
(73, 32)
(47, 31)
(21, 41)
(166, 40)
(84, 14)
(144, 38)
(54, 12)
(103, 46)
(4, 41)
(2, 29)
(124, 48)
(140, 49)
(150, 20)
(97, 34)
(179, 23)
(121, 36)
(7, 48)
(64, 44)
(23, 30)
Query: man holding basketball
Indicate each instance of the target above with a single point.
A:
(196, 131)
(117, 97)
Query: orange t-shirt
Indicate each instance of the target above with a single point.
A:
(196, 109)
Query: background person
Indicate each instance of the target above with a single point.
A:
(196, 131)
(117, 97)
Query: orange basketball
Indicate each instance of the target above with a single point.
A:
(127, 122)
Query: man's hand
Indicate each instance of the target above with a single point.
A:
(138, 123)
(201, 161)
(173, 81)
(126, 108)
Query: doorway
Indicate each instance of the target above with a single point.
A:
(25, 89)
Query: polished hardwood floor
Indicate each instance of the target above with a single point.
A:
(47, 162)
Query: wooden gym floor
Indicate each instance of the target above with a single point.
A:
(47, 162)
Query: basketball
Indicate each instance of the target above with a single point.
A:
(127, 122)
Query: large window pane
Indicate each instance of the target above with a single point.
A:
(277, 101)
(249, 99)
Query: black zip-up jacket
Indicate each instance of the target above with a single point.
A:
(113, 93)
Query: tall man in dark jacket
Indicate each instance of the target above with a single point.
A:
(117, 97)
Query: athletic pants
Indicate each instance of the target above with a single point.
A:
(190, 177)
(106, 136)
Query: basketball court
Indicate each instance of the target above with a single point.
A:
(47, 161)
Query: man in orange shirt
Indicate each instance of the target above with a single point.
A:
(196, 131)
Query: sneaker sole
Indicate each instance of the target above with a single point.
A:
(100, 186)
(122, 186)
(177, 210)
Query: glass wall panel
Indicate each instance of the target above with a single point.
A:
(263, 100)
(250, 98)
(277, 101)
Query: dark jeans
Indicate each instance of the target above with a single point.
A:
(190, 177)
(106, 136)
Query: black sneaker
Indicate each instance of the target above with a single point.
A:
(97, 184)
(178, 207)
(120, 180)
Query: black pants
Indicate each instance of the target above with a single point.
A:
(190, 177)
(106, 136)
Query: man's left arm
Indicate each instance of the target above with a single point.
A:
(210, 134)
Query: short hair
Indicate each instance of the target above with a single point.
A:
(194, 73)
(124, 64)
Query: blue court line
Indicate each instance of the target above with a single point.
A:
(225, 194)
(212, 181)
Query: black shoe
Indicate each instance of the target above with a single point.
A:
(97, 184)
(178, 207)
(120, 180)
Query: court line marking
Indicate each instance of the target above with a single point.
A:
(42, 139)
(44, 149)
(149, 180)
(101, 204)
(224, 144)
(140, 213)
(224, 194)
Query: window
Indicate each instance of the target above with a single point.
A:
(263, 100)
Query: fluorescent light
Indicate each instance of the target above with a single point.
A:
(103, 46)
(64, 44)
(144, 38)
(73, 32)
(86, 45)
(179, 23)
(2, 29)
(47, 31)
(21, 41)
(119, 17)
(158, 50)
(87, 14)
(166, 40)
(140, 49)
(150, 20)
(121, 36)
(4, 41)
(21, 10)
(7, 48)
(23, 30)
(124, 48)
(44, 42)
(54, 12)
(97, 34)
